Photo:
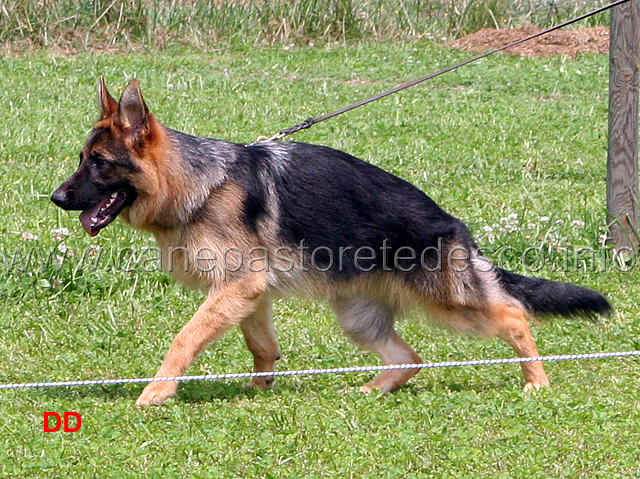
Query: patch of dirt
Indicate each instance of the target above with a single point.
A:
(560, 42)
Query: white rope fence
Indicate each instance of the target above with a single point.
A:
(310, 372)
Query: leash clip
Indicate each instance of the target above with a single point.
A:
(275, 137)
(281, 134)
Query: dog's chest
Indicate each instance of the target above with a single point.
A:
(203, 260)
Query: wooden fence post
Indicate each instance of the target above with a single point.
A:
(622, 161)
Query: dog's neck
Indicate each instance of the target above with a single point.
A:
(191, 169)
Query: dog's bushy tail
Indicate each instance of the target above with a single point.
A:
(541, 296)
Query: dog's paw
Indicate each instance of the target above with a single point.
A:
(384, 383)
(155, 394)
(370, 388)
(536, 385)
(366, 389)
(264, 383)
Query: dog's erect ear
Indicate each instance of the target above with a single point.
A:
(132, 110)
(107, 103)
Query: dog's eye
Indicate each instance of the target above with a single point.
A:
(97, 160)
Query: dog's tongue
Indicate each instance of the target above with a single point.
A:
(86, 215)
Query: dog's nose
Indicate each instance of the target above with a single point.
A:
(59, 197)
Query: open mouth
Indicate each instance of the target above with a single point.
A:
(96, 218)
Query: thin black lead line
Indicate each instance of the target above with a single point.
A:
(308, 123)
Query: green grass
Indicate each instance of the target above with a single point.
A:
(79, 24)
(506, 136)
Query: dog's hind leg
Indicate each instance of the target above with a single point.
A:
(261, 340)
(220, 311)
(510, 324)
(370, 325)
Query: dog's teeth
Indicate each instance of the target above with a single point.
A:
(114, 195)
(94, 220)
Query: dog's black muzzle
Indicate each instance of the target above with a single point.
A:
(78, 192)
(60, 198)
(68, 198)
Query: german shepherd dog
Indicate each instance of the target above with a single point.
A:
(247, 222)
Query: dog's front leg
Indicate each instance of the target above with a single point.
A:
(221, 310)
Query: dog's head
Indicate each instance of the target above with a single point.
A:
(107, 180)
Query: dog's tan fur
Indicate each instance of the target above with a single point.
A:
(187, 218)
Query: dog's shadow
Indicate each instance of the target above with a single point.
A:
(188, 392)
(206, 391)
(201, 392)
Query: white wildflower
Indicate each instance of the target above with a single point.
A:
(577, 224)
(59, 233)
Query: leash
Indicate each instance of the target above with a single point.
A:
(308, 123)
(312, 372)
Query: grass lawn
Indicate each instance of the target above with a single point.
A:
(515, 147)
